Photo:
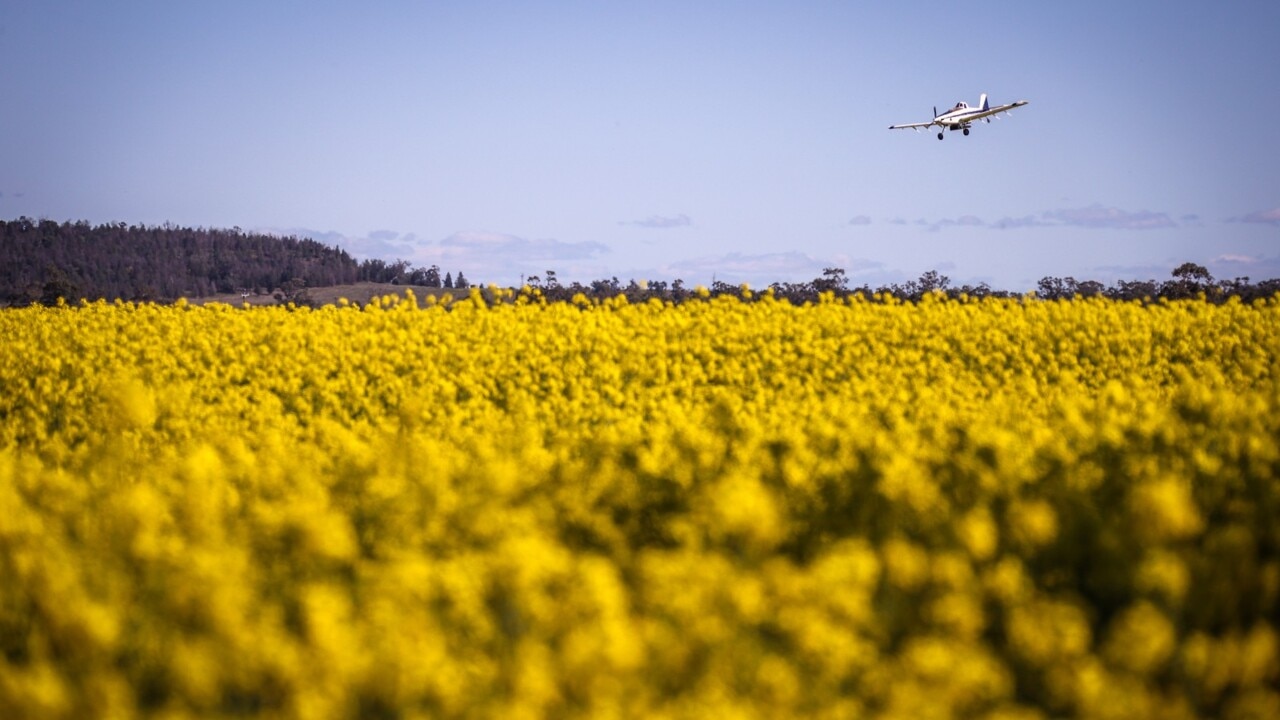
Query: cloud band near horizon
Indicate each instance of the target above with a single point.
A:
(660, 222)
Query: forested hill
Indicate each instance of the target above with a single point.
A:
(41, 260)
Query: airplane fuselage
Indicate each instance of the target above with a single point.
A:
(961, 117)
(957, 118)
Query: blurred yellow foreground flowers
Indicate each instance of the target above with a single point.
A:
(731, 507)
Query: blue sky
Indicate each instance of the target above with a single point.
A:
(738, 141)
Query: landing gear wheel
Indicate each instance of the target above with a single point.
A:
(939, 136)
(966, 131)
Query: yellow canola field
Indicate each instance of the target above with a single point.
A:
(996, 508)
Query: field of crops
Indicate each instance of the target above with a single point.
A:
(723, 508)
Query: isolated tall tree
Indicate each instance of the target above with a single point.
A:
(1193, 272)
(1189, 280)
(1056, 288)
(932, 280)
(833, 278)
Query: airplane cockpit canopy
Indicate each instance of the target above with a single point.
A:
(960, 106)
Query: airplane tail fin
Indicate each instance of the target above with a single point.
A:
(982, 102)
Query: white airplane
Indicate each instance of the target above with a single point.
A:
(960, 116)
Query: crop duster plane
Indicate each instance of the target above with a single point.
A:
(961, 116)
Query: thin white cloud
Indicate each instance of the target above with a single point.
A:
(1264, 217)
(855, 267)
(1097, 216)
(737, 267)
(861, 220)
(1093, 216)
(1234, 265)
(1236, 259)
(962, 221)
(1131, 272)
(660, 222)
(507, 259)
(377, 244)
(484, 256)
(1009, 223)
(517, 249)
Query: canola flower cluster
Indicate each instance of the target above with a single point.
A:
(852, 508)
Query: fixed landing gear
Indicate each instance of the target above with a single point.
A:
(939, 136)
(966, 131)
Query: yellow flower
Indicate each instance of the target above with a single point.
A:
(1140, 639)
(1033, 522)
(1165, 510)
(906, 565)
(979, 534)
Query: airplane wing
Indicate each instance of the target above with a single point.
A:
(911, 125)
(962, 117)
(996, 110)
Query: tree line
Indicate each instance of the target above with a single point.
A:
(42, 260)
(1188, 280)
